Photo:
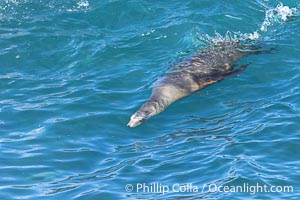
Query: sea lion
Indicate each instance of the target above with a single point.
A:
(204, 68)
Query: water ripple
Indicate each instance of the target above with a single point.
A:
(73, 72)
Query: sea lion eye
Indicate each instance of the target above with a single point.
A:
(147, 112)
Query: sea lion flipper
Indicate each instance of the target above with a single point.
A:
(267, 51)
(242, 68)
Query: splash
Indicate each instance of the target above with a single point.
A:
(247, 39)
(82, 5)
(277, 15)
(273, 16)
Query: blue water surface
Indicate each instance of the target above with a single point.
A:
(73, 72)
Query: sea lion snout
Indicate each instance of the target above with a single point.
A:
(143, 114)
(135, 121)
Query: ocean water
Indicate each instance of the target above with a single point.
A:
(73, 72)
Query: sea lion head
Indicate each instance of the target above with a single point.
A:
(143, 114)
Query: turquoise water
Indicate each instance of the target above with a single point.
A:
(73, 72)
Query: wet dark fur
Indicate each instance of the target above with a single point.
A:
(210, 64)
(206, 67)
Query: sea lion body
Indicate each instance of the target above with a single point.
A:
(202, 69)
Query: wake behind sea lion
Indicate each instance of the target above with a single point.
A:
(209, 66)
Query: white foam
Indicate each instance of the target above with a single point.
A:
(83, 4)
(280, 14)
(253, 36)
(229, 37)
